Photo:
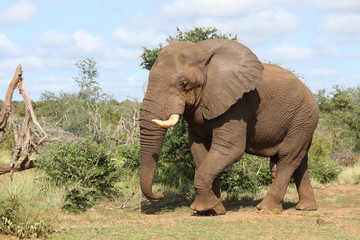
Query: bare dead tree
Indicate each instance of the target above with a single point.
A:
(6, 109)
(126, 131)
(24, 144)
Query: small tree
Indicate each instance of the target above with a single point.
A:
(90, 89)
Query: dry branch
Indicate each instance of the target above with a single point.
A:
(24, 144)
(6, 109)
(24, 165)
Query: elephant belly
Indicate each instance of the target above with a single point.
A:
(264, 139)
(261, 148)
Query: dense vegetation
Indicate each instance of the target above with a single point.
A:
(98, 148)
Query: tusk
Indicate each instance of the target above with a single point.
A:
(173, 119)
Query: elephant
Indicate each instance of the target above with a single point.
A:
(233, 104)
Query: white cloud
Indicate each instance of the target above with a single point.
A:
(37, 63)
(336, 6)
(325, 78)
(326, 73)
(215, 8)
(19, 12)
(86, 43)
(7, 48)
(256, 28)
(52, 84)
(349, 23)
(288, 52)
(54, 38)
(327, 48)
(345, 27)
(115, 58)
(137, 38)
(78, 44)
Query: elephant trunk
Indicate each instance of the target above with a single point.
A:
(151, 140)
(152, 134)
(150, 144)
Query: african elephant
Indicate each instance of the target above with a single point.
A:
(233, 104)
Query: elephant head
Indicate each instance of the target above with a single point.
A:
(207, 78)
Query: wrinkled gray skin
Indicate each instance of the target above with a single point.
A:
(233, 104)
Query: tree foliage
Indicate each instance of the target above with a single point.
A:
(195, 35)
(86, 80)
(89, 113)
(340, 109)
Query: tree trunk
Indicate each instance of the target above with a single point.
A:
(6, 109)
(24, 165)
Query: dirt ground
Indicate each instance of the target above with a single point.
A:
(333, 201)
(337, 217)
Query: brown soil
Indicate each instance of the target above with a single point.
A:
(338, 216)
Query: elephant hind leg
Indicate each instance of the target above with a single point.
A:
(275, 195)
(286, 163)
(306, 193)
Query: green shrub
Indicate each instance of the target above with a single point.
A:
(246, 176)
(128, 156)
(321, 166)
(236, 180)
(324, 170)
(85, 168)
(341, 110)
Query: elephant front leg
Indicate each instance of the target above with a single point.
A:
(200, 149)
(205, 198)
(227, 146)
(206, 174)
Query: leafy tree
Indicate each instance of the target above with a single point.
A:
(90, 89)
(198, 34)
(341, 111)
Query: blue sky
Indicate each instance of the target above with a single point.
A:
(319, 39)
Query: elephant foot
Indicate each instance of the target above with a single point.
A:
(267, 204)
(208, 205)
(306, 206)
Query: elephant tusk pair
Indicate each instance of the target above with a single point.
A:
(173, 119)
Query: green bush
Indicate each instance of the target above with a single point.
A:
(85, 168)
(321, 166)
(128, 156)
(341, 110)
(324, 170)
(246, 176)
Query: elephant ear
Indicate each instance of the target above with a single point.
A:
(231, 71)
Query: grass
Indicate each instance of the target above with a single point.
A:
(30, 207)
(350, 175)
(5, 156)
(134, 217)
(106, 222)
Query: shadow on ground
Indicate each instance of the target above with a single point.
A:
(173, 201)
(169, 203)
(249, 202)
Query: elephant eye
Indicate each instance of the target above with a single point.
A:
(184, 83)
